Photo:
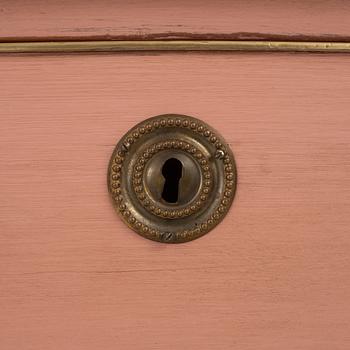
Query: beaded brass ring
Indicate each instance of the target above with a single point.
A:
(135, 180)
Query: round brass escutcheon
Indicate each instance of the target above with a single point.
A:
(172, 178)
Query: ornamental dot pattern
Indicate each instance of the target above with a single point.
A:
(122, 205)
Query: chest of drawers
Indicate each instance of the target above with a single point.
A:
(274, 274)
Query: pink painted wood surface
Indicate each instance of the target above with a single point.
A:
(275, 273)
(241, 19)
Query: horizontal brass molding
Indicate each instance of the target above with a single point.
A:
(173, 45)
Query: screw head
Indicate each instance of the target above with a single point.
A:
(167, 236)
(219, 154)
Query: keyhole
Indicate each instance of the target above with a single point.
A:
(172, 172)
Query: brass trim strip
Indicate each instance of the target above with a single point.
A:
(173, 45)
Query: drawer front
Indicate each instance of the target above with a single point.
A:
(274, 274)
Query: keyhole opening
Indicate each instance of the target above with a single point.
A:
(172, 172)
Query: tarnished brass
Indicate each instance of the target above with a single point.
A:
(175, 45)
(172, 178)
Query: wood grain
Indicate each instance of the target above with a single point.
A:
(159, 19)
(273, 275)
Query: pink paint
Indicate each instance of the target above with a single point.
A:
(273, 275)
(240, 19)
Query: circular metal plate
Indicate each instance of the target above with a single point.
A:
(206, 185)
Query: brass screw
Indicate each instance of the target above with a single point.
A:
(220, 154)
(167, 236)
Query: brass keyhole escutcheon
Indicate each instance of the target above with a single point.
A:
(172, 178)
